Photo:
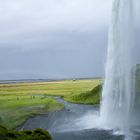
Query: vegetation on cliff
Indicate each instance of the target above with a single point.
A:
(90, 97)
(38, 134)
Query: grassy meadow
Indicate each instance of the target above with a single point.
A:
(19, 101)
(56, 88)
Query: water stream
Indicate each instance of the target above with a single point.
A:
(74, 122)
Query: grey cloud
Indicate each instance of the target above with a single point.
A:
(20, 18)
(53, 38)
(82, 59)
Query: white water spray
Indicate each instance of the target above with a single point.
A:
(118, 91)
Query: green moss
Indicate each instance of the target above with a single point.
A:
(38, 134)
(1, 120)
(91, 97)
(3, 130)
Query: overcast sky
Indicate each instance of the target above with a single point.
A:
(53, 38)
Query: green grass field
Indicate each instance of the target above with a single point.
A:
(14, 112)
(58, 88)
(20, 101)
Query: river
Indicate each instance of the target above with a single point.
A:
(74, 122)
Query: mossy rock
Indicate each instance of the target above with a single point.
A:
(38, 134)
(41, 134)
(3, 130)
(1, 120)
(27, 132)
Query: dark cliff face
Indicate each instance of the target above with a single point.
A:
(38, 134)
(137, 86)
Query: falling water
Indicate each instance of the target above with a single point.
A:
(118, 91)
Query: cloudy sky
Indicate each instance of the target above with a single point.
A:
(53, 38)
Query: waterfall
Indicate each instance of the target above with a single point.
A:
(118, 90)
